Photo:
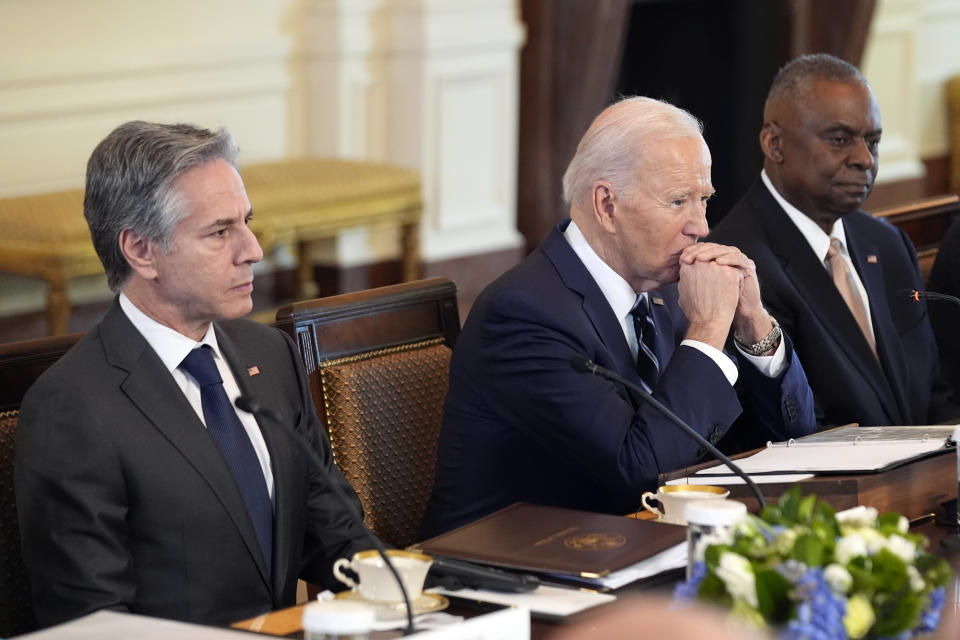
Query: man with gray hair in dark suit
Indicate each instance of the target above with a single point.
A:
(140, 487)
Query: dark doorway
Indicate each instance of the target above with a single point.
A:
(716, 60)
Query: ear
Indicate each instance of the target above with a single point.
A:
(771, 141)
(604, 205)
(140, 253)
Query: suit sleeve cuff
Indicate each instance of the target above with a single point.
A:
(726, 365)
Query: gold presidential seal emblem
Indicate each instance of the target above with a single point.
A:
(595, 542)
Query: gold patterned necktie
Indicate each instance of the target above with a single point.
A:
(841, 278)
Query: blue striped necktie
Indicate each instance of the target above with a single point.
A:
(648, 367)
(228, 432)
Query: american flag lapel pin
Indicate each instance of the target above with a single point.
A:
(253, 371)
(872, 259)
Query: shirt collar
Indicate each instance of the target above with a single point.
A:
(815, 236)
(170, 345)
(619, 294)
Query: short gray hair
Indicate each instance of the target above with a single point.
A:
(799, 72)
(614, 143)
(130, 179)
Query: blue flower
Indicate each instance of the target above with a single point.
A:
(930, 617)
(819, 611)
(686, 592)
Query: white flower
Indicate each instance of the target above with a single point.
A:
(721, 536)
(737, 576)
(903, 525)
(902, 548)
(858, 517)
(785, 541)
(916, 580)
(849, 547)
(838, 578)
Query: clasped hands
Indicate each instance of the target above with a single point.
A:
(718, 288)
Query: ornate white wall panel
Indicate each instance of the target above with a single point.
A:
(890, 67)
(938, 58)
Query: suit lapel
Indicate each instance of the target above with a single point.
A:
(153, 390)
(816, 288)
(576, 277)
(255, 380)
(865, 256)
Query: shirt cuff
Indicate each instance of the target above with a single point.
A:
(770, 366)
(723, 361)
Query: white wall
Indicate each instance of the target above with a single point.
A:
(429, 84)
(914, 47)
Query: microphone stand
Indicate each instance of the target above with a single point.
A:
(585, 365)
(252, 406)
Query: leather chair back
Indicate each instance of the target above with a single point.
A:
(21, 363)
(378, 363)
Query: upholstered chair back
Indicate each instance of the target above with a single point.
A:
(378, 363)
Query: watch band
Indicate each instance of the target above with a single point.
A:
(769, 341)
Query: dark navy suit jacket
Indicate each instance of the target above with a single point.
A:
(849, 384)
(520, 425)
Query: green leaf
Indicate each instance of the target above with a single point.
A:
(789, 505)
(712, 555)
(773, 596)
(896, 613)
(863, 580)
(771, 514)
(890, 572)
(889, 518)
(808, 549)
(888, 523)
(934, 569)
(712, 590)
(805, 509)
(825, 518)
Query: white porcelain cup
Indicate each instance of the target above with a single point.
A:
(377, 584)
(673, 499)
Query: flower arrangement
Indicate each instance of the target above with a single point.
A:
(816, 574)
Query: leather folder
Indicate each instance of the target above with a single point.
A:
(554, 540)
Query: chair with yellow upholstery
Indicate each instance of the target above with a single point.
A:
(21, 363)
(378, 362)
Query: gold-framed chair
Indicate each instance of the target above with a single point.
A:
(21, 363)
(378, 363)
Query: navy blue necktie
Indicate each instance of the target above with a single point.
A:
(225, 427)
(648, 367)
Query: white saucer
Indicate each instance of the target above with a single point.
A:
(424, 603)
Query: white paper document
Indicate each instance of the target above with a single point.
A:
(111, 625)
(545, 599)
(828, 456)
(782, 478)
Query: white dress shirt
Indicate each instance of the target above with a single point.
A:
(621, 298)
(173, 347)
(820, 242)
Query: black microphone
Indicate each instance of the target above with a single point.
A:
(948, 542)
(250, 405)
(585, 365)
(933, 296)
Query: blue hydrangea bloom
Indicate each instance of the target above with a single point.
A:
(686, 592)
(930, 617)
(819, 612)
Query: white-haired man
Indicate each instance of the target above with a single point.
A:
(625, 283)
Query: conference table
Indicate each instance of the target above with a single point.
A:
(286, 622)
